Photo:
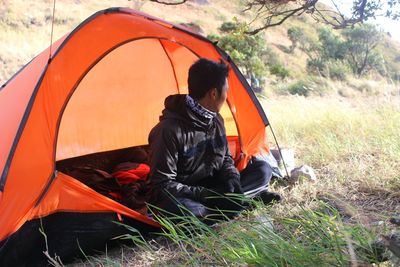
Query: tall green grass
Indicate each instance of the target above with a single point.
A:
(311, 238)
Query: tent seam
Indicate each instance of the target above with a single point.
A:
(21, 127)
(172, 65)
(25, 117)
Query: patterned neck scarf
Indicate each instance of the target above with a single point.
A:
(199, 109)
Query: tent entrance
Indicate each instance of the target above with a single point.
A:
(115, 105)
(120, 98)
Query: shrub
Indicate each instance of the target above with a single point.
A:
(246, 50)
(295, 35)
(317, 66)
(331, 45)
(334, 69)
(303, 88)
(360, 46)
(279, 71)
(229, 26)
(306, 87)
(338, 70)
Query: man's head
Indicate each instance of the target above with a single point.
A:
(208, 83)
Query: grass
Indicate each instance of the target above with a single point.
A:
(354, 146)
(335, 130)
(311, 238)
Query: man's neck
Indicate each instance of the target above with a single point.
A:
(205, 104)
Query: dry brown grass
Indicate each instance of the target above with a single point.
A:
(353, 145)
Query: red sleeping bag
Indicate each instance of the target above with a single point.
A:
(129, 172)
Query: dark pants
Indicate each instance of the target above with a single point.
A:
(254, 179)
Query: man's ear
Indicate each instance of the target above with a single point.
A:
(214, 93)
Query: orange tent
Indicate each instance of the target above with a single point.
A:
(101, 89)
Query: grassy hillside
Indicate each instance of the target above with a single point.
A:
(25, 28)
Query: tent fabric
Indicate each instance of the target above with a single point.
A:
(20, 88)
(102, 89)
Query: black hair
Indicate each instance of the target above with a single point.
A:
(204, 75)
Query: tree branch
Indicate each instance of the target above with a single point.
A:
(275, 12)
(288, 15)
(169, 3)
(338, 10)
(272, 7)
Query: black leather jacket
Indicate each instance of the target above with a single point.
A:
(186, 148)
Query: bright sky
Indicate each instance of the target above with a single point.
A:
(392, 26)
(388, 25)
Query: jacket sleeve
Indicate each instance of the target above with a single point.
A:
(163, 159)
(228, 169)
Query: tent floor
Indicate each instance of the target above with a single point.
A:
(68, 235)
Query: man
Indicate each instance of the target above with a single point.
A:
(191, 166)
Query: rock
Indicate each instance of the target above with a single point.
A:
(264, 225)
(395, 220)
(303, 171)
(265, 220)
(378, 223)
(392, 242)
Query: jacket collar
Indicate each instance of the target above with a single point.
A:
(195, 106)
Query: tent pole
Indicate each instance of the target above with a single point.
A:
(279, 149)
(52, 28)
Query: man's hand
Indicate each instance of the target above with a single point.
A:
(233, 186)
